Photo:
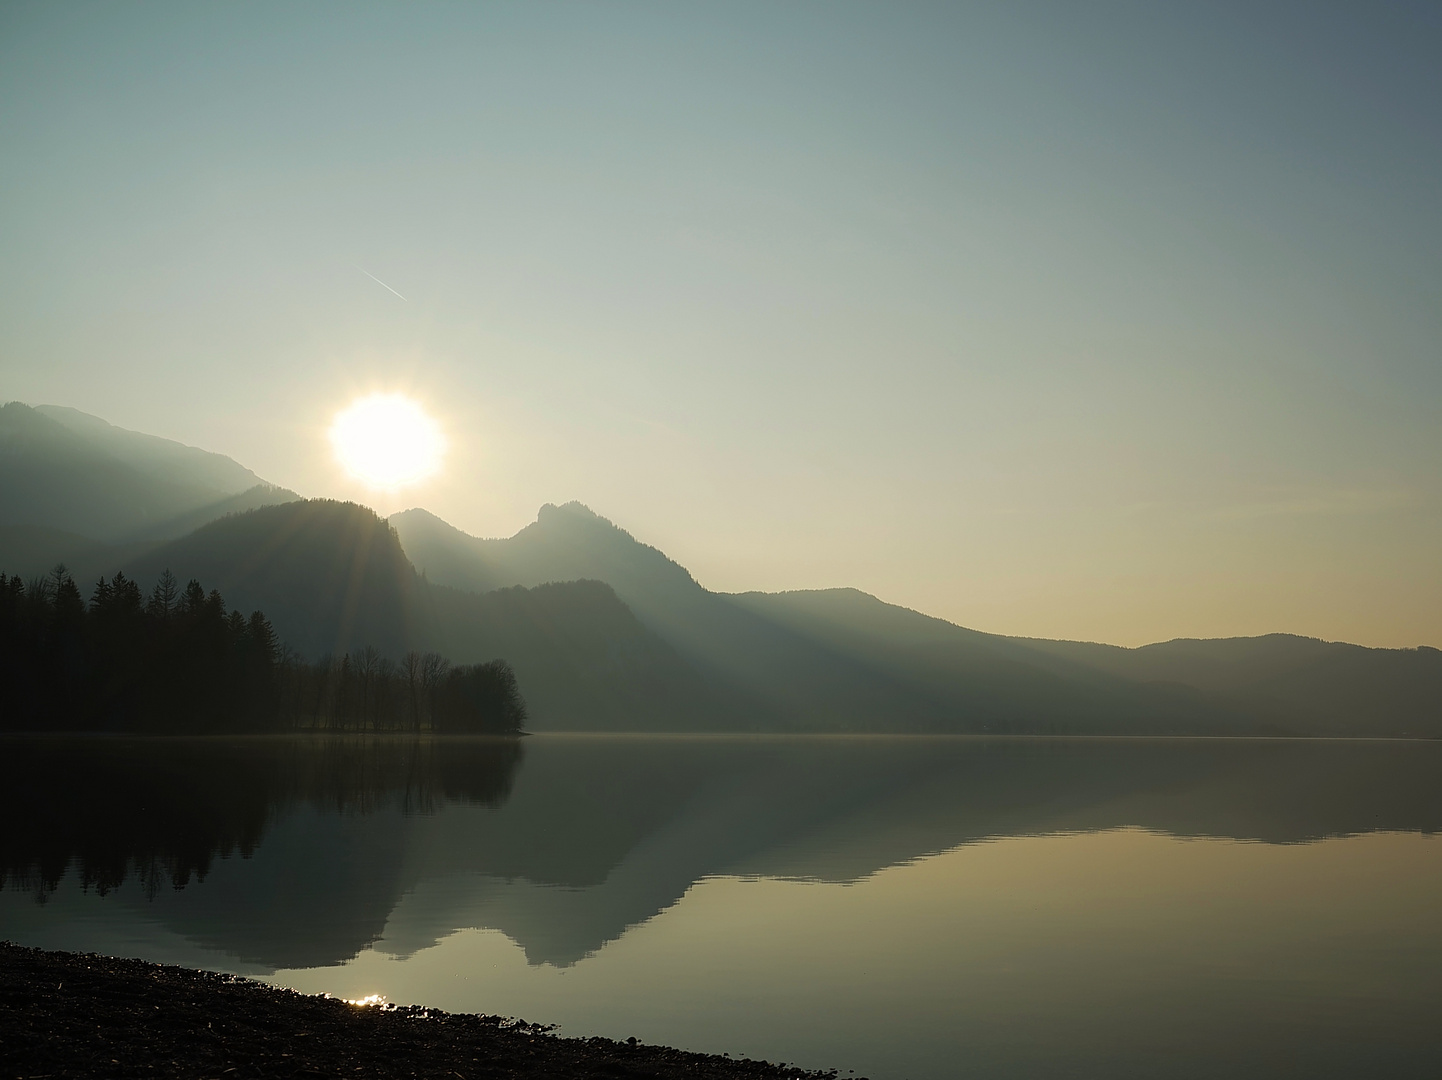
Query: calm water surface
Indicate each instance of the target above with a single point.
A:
(898, 907)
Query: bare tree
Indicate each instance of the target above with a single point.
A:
(385, 710)
(412, 666)
(433, 670)
(340, 701)
(367, 666)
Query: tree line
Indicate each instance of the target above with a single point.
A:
(177, 661)
(423, 692)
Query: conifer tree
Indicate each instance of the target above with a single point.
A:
(164, 597)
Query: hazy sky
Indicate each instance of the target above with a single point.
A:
(1110, 321)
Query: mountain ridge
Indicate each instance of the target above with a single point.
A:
(332, 578)
(849, 654)
(164, 455)
(609, 633)
(65, 470)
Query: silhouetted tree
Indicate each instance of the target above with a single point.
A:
(164, 596)
(179, 662)
(480, 699)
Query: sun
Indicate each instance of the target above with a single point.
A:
(387, 441)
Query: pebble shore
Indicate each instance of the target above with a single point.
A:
(81, 1015)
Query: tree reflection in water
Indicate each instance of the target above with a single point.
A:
(595, 834)
(163, 809)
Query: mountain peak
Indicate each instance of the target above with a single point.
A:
(575, 506)
(565, 543)
(572, 509)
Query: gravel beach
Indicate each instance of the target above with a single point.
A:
(82, 1015)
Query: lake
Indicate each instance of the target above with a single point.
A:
(900, 907)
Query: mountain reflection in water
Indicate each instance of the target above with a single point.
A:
(293, 853)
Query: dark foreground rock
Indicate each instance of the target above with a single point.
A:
(81, 1015)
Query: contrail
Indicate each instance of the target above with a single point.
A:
(377, 280)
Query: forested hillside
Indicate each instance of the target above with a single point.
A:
(333, 580)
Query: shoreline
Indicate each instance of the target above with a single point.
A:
(84, 1015)
(704, 736)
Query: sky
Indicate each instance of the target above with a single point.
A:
(1119, 322)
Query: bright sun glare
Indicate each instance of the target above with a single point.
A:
(387, 441)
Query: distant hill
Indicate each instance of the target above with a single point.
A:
(842, 660)
(65, 472)
(160, 458)
(607, 633)
(584, 661)
(1325, 687)
(31, 550)
(332, 577)
(568, 543)
(564, 543)
(796, 669)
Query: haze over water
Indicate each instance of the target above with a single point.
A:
(901, 907)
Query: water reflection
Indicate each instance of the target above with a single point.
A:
(289, 853)
(901, 906)
(172, 827)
